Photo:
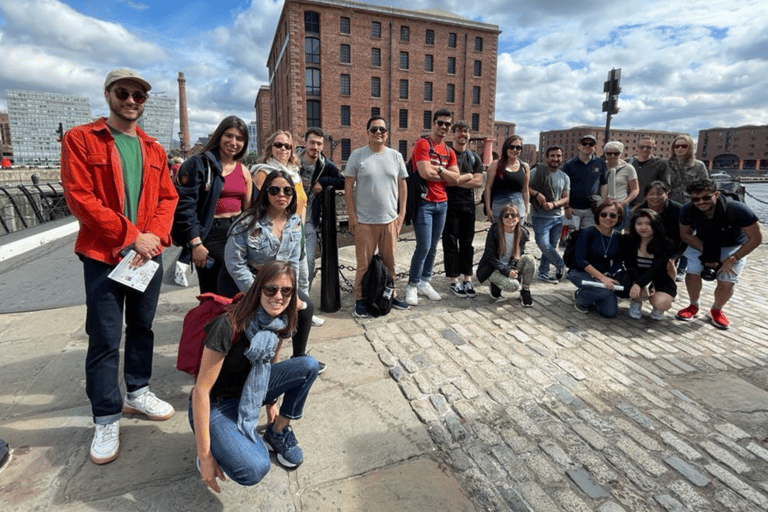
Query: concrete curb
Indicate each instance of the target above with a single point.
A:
(36, 240)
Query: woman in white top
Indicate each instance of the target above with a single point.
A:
(623, 186)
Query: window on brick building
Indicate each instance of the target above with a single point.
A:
(375, 111)
(312, 81)
(451, 65)
(344, 25)
(376, 30)
(427, 91)
(475, 122)
(430, 37)
(403, 60)
(346, 149)
(476, 95)
(478, 71)
(405, 33)
(376, 87)
(478, 44)
(429, 62)
(345, 54)
(452, 40)
(376, 57)
(450, 93)
(313, 113)
(427, 119)
(403, 118)
(311, 22)
(402, 146)
(312, 50)
(345, 115)
(344, 83)
(403, 89)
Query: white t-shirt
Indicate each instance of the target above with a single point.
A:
(376, 183)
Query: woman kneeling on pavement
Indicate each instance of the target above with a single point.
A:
(503, 260)
(240, 373)
(647, 256)
(598, 261)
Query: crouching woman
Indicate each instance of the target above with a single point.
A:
(240, 373)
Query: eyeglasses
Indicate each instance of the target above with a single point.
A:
(705, 197)
(680, 146)
(516, 148)
(282, 145)
(588, 143)
(612, 153)
(379, 129)
(270, 290)
(645, 147)
(122, 94)
(440, 124)
(275, 191)
(510, 215)
(611, 215)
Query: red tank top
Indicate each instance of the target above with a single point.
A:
(233, 194)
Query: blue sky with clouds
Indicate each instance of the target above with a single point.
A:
(685, 66)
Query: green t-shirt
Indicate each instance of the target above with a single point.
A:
(130, 160)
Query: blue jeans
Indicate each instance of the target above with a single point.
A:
(244, 461)
(105, 301)
(428, 223)
(500, 200)
(605, 301)
(547, 232)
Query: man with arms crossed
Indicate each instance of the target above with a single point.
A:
(117, 185)
(375, 190)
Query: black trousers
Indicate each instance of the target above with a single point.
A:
(458, 233)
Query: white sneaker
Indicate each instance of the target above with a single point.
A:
(656, 314)
(635, 309)
(411, 295)
(148, 405)
(317, 321)
(106, 442)
(425, 288)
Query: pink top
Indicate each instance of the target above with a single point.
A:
(233, 194)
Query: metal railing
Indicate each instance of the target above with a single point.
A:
(24, 206)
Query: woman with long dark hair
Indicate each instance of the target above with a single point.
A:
(507, 181)
(239, 372)
(504, 261)
(646, 255)
(214, 188)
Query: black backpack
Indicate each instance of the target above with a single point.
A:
(378, 288)
(569, 255)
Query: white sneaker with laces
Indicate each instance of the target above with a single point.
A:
(148, 405)
(656, 314)
(426, 289)
(317, 321)
(411, 296)
(106, 442)
(635, 309)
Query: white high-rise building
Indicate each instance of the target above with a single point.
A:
(253, 143)
(157, 120)
(34, 119)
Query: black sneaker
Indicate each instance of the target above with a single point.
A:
(400, 304)
(525, 297)
(495, 292)
(469, 289)
(458, 290)
(285, 445)
(360, 310)
(559, 271)
(579, 307)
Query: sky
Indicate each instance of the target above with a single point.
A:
(686, 66)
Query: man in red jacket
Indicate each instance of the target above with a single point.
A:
(117, 185)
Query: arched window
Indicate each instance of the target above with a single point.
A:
(312, 50)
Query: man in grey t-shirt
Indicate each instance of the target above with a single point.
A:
(378, 176)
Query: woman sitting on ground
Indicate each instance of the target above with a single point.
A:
(503, 260)
(646, 255)
(598, 261)
(238, 374)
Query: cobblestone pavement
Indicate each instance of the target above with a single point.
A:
(547, 409)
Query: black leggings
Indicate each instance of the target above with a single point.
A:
(215, 243)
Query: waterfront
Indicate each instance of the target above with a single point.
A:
(757, 199)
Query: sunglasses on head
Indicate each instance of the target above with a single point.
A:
(270, 290)
(611, 215)
(377, 129)
(510, 215)
(705, 197)
(122, 94)
(516, 147)
(274, 190)
(447, 124)
(588, 143)
(679, 146)
(282, 145)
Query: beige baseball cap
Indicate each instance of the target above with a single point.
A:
(125, 73)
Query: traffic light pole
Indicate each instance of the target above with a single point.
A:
(610, 105)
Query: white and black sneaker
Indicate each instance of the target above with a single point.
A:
(469, 289)
(458, 290)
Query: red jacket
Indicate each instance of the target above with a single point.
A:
(93, 187)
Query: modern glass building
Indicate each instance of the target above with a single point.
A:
(157, 120)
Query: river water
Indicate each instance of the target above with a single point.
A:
(757, 199)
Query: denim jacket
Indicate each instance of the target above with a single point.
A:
(259, 246)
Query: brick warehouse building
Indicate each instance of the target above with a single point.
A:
(334, 63)
(569, 140)
(744, 148)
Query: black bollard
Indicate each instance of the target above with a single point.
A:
(330, 290)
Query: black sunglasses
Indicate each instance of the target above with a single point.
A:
(282, 145)
(611, 215)
(122, 94)
(516, 148)
(375, 129)
(611, 153)
(270, 290)
(274, 190)
(510, 216)
(699, 199)
(588, 143)
(447, 124)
